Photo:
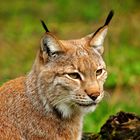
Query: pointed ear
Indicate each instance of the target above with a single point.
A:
(50, 45)
(98, 37)
(98, 40)
(50, 49)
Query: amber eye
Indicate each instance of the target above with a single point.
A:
(99, 72)
(74, 75)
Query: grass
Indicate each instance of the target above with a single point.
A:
(21, 32)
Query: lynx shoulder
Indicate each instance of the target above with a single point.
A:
(64, 83)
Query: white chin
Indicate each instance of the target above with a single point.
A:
(88, 109)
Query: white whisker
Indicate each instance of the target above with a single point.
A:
(107, 96)
(63, 100)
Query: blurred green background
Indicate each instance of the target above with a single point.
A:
(20, 33)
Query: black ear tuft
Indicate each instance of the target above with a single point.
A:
(44, 26)
(109, 17)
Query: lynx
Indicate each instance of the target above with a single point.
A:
(65, 82)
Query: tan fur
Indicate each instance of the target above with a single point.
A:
(65, 82)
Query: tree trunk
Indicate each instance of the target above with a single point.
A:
(122, 126)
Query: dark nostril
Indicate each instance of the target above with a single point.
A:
(93, 97)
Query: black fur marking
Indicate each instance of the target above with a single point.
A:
(97, 31)
(109, 17)
(48, 51)
(44, 26)
(58, 113)
(46, 48)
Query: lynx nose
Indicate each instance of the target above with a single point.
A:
(94, 96)
(93, 91)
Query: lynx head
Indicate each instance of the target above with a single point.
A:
(71, 73)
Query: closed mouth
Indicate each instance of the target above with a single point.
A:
(86, 105)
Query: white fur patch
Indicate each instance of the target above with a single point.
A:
(100, 39)
(52, 45)
(100, 97)
(86, 110)
(65, 110)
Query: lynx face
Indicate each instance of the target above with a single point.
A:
(71, 73)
